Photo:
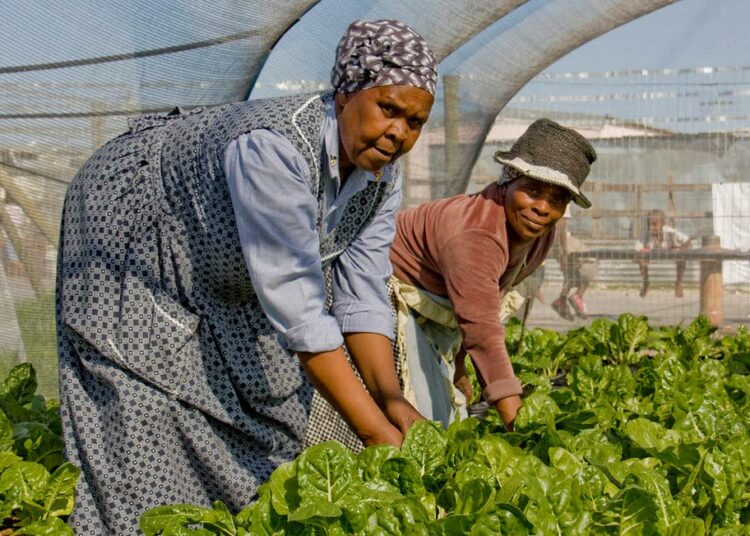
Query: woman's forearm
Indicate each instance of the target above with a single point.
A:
(372, 354)
(334, 378)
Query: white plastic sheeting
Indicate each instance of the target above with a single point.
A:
(731, 207)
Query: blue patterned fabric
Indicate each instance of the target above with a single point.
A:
(173, 385)
(277, 229)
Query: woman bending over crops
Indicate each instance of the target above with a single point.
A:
(455, 260)
(215, 264)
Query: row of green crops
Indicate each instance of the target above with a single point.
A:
(626, 429)
(36, 485)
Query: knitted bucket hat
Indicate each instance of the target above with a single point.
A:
(552, 153)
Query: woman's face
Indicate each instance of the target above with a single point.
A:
(655, 223)
(379, 124)
(533, 207)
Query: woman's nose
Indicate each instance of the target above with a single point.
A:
(541, 206)
(398, 130)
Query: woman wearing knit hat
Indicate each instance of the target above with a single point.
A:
(214, 265)
(455, 261)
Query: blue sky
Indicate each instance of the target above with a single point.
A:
(688, 33)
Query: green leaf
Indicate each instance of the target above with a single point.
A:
(6, 433)
(404, 475)
(53, 526)
(178, 529)
(60, 490)
(7, 459)
(473, 470)
(315, 509)
(156, 520)
(35, 442)
(628, 335)
(501, 457)
(24, 481)
(688, 527)
(657, 487)
(262, 519)
(460, 449)
(536, 410)
(587, 378)
(284, 488)
(651, 436)
(475, 497)
(397, 519)
(369, 465)
(20, 384)
(637, 514)
(356, 514)
(512, 520)
(325, 472)
(425, 444)
(222, 521)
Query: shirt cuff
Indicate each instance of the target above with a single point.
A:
(500, 389)
(355, 319)
(320, 335)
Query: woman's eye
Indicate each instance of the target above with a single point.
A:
(387, 110)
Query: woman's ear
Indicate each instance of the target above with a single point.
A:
(342, 99)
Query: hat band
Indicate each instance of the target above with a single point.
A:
(541, 172)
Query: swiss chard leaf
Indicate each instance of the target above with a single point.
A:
(425, 444)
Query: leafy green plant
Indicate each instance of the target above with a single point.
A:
(627, 429)
(36, 485)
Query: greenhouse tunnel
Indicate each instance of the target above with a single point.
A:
(72, 72)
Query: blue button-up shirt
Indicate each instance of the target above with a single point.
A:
(277, 227)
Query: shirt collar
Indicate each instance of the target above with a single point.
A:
(330, 142)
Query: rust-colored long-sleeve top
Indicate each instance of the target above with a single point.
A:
(458, 248)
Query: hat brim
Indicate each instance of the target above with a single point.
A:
(544, 174)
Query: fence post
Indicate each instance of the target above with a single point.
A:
(597, 197)
(450, 129)
(638, 220)
(711, 283)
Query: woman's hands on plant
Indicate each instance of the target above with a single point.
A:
(373, 357)
(401, 413)
(388, 434)
(461, 377)
(508, 408)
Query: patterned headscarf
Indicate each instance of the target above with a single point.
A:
(383, 53)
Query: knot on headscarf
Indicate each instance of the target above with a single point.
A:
(381, 53)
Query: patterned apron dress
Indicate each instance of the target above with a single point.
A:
(174, 387)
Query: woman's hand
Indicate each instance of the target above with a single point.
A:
(386, 435)
(461, 377)
(373, 357)
(401, 413)
(508, 408)
(334, 378)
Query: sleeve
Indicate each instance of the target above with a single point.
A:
(361, 273)
(678, 237)
(276, 213)
(471, 263)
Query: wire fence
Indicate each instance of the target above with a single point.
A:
(673, 146)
